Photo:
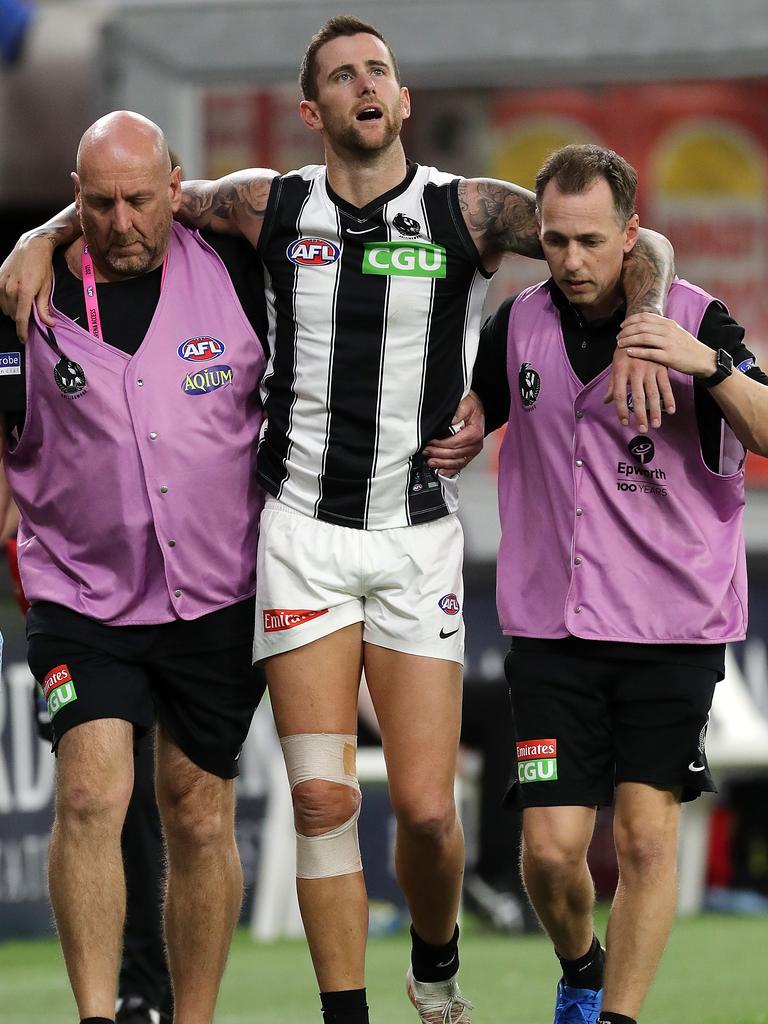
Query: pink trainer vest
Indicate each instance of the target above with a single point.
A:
(135, 475)
(607, 534)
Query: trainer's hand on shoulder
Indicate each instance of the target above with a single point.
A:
(647, 382)
(26, 277)
(449, 455)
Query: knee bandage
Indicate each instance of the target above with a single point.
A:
(331, 757)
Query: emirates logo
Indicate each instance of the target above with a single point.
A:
(276, 619)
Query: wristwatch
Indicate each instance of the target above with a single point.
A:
(723, 369)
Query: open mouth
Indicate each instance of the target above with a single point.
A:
(369, 114)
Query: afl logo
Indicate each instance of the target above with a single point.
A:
(197, 350)
(449, 603)
(529, 383)
(312, 252)
(642, 449)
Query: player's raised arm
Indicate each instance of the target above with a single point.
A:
(233, 205)
(645, 279)
(25, 276)
(501, 218)
(648, 272)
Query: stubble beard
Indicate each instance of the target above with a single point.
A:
(353, 142)
(136, 264)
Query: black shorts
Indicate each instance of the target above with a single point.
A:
(195, 676)
(585, 724)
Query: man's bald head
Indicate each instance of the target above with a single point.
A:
(123, 136)
(126, 193)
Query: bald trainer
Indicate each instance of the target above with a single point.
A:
(129, 429)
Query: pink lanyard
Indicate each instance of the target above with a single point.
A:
(92, 299)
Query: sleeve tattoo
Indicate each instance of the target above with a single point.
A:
(501, 214)
(224, 203)
(647, 273)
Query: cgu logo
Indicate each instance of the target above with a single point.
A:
(312, 252)
(544, 770)
(199, 349)
(450, 604)
(394, 259)
(62, 695)
(212, 378)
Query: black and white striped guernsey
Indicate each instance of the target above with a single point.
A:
(374, 317)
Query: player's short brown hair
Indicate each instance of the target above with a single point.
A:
(573, 169)
(341, 25)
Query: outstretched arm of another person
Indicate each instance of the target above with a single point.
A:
(26, 275)
(233, 205)
(646, 276)
(501, 218)
(743, 399)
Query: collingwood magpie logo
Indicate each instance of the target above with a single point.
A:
(70, 377)
(642, 449)
(530, 385)
(407, 225)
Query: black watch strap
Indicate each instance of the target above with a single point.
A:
(723, 369)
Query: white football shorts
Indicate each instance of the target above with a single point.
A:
(404, 584)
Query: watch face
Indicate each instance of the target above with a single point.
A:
(724, 362)
(723, 369)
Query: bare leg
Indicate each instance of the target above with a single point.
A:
(555, 872)
(205, 879)
(314, 690)
(418, 705)
(94, 779)
(645, 830)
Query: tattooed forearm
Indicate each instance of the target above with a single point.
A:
(500, 216)
(62, 229)
(647, 273)
(235, 203)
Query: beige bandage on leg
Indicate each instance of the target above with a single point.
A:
(331, 757)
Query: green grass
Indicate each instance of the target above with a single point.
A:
(715, 971)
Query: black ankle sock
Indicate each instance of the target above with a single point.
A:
(347, 1007)
(98, 1020)
(615, 1018)
(434, 963)
(587, 971)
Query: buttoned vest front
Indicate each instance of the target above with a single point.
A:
(608, 534)
(135, 475)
